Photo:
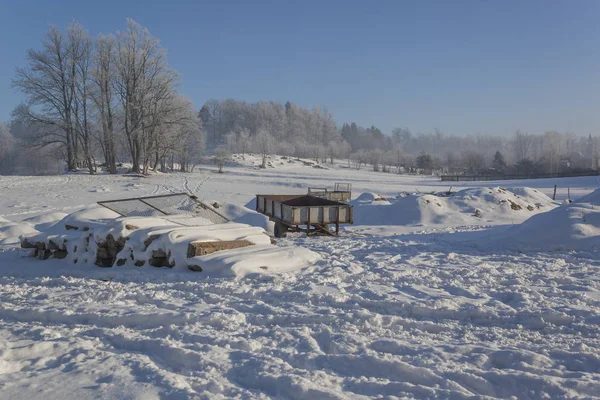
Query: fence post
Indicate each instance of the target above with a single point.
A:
(554, 195)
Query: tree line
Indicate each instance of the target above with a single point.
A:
(270, 127)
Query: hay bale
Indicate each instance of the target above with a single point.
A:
(159, 259)
(59, 254)
(204, 248)
(150, 239)
(108, 249)
(27, 244)
(43, 254)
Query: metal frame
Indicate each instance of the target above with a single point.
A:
(105, 203)
(341, 192)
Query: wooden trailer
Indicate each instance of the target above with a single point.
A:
(306, 213)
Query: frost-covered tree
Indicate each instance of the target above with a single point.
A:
(80, 44)
(145, 89)
(473, 161)
(243, 142)
(221, 156)
(48, 83)
(263, 145)
(103, 78)
(7, 144)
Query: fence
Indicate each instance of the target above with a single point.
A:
(472, 178)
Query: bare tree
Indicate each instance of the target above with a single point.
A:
(48, 84)
(473, 161)
(551, 144)
(103, 78)
(221, 156)
(263, 144)
(145, 87)
(523, 142)
(243, 142)
(81, 61)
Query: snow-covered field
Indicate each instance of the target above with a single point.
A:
(417, 299)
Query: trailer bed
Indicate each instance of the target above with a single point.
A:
(293, 211)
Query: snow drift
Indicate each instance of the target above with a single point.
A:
(475, 206)
(574, 226)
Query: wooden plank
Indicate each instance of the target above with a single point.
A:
(204, 248)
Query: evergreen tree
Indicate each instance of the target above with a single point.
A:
(424, 161)
(499, 164)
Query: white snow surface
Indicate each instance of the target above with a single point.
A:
(441, 307)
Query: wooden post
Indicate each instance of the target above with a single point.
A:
(337, 220)
(554, 195)
(308, 223)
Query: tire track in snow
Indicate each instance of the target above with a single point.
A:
(199, 185)
(186, 184)
(168, 189)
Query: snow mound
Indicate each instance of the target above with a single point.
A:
(592, 199)
(263, 259)
(370, 198)
(10, 230)
(10, 233)
(574, 226)
(45, 221)
(88, 217)
(474, 206)
(251, 205)
(244, 215)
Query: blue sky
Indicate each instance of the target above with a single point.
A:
(463, 67)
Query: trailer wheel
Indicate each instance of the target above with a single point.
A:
(280, 230)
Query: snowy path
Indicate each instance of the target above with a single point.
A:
(399, 316)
